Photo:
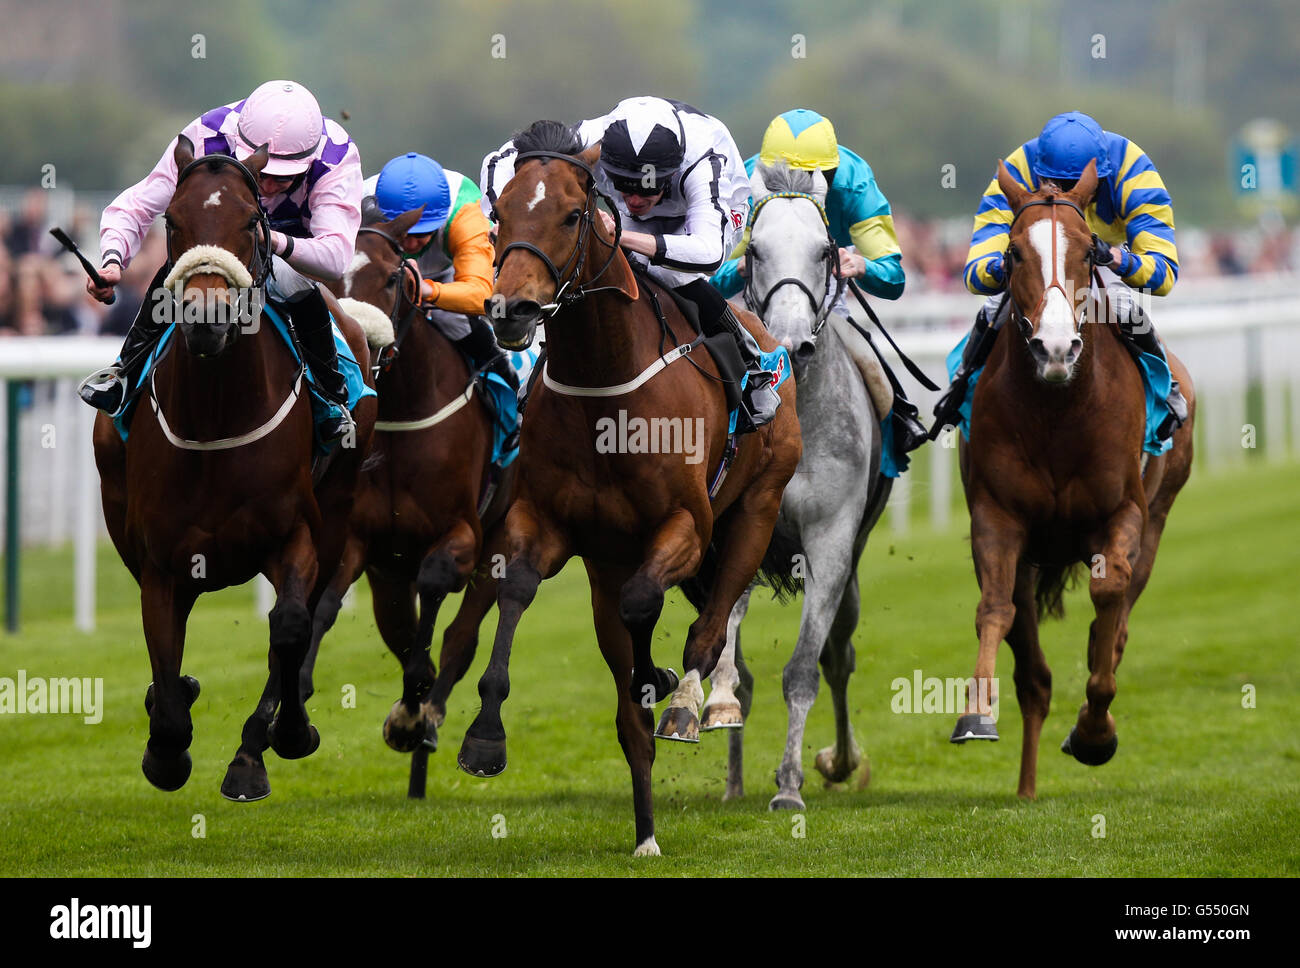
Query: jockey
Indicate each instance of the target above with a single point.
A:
(859, 213)
(310, 189)
(1131, 215)
(452, 248)
(678, 181)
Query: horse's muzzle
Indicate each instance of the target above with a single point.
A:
(1056, 358)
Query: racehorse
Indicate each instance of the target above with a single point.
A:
(415, 528)
(214, 484)
(642, 522)
(836, 495)
(1054, 474)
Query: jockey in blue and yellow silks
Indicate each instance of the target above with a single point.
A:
(859, 213)
(1131, 214)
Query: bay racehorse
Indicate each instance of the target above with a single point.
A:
(1055, 477)
(836, 495)
(415, 528)
(642, 522)
(214, 484)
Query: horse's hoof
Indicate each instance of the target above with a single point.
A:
(974, 726)
(188, 683)
(167, 774)
(833, 770)
(430, 741)
(722, 715)
(404, 732)
(786, 801)
(482, 757)
(245, 780)
(1087, 753)
(679, 724)
(439, 715)
(647, 848)
(293, 747)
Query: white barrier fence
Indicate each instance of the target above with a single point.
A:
(1240, 340)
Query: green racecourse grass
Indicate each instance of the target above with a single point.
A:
(1200, 785)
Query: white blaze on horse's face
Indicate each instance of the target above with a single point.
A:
(359, 261)
(213, 200)
(1056, 342)
(538, 194)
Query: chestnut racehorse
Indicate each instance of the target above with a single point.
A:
(642, 522)
(1054, 474)
(415, 526)
(214, 485)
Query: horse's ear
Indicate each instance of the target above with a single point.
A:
(1081, 194)
(758, 182)
(184, 153)
(590, 156)
(1011, 188)
(257, 160)
(819, 185)
(399, 226)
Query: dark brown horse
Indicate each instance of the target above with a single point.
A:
(214, 485)
(642, 522)
(415, 528)
(1054, 474)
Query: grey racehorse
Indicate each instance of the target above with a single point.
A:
(835, 496)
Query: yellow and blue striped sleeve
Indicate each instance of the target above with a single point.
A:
(985, 273)
(1146, 209)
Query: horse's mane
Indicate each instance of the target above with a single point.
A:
(780, 177)
(549, 136)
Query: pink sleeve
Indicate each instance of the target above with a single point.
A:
(335, 218)
(129, 216)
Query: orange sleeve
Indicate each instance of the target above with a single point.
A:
(471, 258)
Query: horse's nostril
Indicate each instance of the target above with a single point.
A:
(523, 309)
(1038, 350)
(804, 352)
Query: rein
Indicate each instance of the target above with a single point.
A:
(821, 307)
(567, 290)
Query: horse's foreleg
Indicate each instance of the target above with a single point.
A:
(293, 574)
(1032, 676)
(839, 659)
(1093, 740)
(442, 571)
(997, 540)
(165, 604)
(537, 552)
(823, 589)
(722, 708)
(634, 720)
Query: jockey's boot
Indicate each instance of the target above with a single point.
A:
(947, 412)
(480, 345)
(716, 315)
(311, 321)
(1136, 326)
(106, 389)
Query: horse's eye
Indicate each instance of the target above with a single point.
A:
(1013, 252)
(753, 251)
(573, 217)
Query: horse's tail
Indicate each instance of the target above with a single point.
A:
(782, 569)
(1053, 580)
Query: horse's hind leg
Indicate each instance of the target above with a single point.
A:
(722, 709)
(293, 574)
(327, 609)
(442, 571)
(1032, 676)
(635, 720)
(165, 605)
(838, 660)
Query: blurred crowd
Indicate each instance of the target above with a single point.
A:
(42, 289)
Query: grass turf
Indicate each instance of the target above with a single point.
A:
(1200, 784)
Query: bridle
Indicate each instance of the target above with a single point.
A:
(567, 290)
(1022, 319)
(822, 306)
(261, 267)
(405, 305)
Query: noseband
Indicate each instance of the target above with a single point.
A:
(567, 290)
(821, 307)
